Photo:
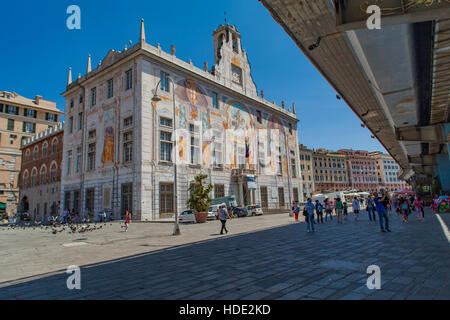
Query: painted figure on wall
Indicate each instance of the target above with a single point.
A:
(108, 148)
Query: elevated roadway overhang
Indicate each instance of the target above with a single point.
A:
(396, 79)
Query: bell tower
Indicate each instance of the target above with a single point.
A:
(230, 59)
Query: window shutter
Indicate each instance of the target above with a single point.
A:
(46, 116)
(24, 126)
(1, 107)
(17, 111)
(35, 114)
(25, 112)
(34, 127)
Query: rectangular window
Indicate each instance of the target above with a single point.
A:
(195, 149)
(128, 80)
(80, 121)
(71, 125)
(28, 113)
(69, 162)
(281, 201)
(51, 117)
(294, 169)
(128, 146)
(219, 191)
(90, 197)
(164, 81)
(236, 74)
(259, 116)
(214, 100)
(93, 97)
(166, 203)
(165, 146)
(127, 199)
(10, 125)
(29, 127)
(110, 89)
(91, 157)
(91, 134)
(11, 110)
(128, 122)
(67, 195)
(78, 160)
(164, 122)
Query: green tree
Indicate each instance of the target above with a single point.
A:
(200, 200)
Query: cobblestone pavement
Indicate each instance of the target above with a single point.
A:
(266, 257)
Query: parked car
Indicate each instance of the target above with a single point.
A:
(255, 210)
(186, 216)
(213, 211)
(240, 212)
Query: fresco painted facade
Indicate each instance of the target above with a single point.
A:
(223, 129)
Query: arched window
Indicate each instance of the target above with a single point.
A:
(27, 155)
(45, 150)
(53, 171)
(55, 145)
(26, 176)
(35, 153)
(43, 175)
(34, 175)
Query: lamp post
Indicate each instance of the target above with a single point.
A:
(156, 99)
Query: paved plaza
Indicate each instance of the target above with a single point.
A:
(268, 257)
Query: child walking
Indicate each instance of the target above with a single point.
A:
(127, 221)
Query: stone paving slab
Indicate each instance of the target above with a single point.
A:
(267, 257)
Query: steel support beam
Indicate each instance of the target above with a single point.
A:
(431, 134)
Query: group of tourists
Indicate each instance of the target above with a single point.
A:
(377, 204)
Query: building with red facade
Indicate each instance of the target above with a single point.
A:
(330, 171)
(40, 174)
(362, 170)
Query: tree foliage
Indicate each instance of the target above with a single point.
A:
(200, 201)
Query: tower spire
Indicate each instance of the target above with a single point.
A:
(142, 32)
(89, 66)
(69, 79)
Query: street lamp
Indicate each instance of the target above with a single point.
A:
(156, 99)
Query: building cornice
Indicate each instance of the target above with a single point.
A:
(171, 61)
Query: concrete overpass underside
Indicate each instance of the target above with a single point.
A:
(396, 79)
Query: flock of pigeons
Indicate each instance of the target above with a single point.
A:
(56, 228)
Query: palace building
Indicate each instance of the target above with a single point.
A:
(142, 113)
(20, 119)
(40, 174)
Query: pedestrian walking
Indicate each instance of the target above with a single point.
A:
(371, 209)
(382, 214)
(223, 217)
(345, 210)
(405, 209)
(418, 203)
(127, 220)
(339, 209)
(296, 210)
(356, 207)
(319, 212)
(309, 207)
(328, 210)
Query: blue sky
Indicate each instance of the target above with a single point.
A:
(39, 50)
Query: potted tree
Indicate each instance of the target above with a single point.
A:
(200, 201)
